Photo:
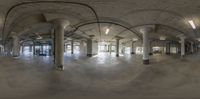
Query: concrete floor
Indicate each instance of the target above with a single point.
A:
(100, 77)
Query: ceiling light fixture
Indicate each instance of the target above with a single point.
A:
(192, 24)
(135, 39)
(39, 37)
(107, 31)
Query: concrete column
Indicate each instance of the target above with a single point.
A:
(146, 43)
(92, 46)
(168, 48)
(53, 43)
(22, 47)
(30, 48)
(8, 47)
(110, 48)
(42, 48)
(192, 47)
(89, 47)
(59, 26)
(132, 48)
(163, 47)
(117, 47)
(150, 48)
(16, 46)
(182, 46)
(123, 47)
(197, 47)
(65, 47)
(34, 48)
(81, 47)
(72, 46)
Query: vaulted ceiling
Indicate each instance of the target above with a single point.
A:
(29, 18)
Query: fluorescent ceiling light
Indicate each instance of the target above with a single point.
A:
(198, 39)
(162, 38)
(39, 37)
(135, 39)
(107, 31)
(192, 24)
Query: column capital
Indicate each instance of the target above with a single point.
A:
(15, 36)
(91, 36)
(181, 36)
(118, 37)
(61, 22)
(146, 29)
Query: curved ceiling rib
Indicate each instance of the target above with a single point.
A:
(39, 2)
(158, 10)
(127, 28)
(173, 28)
(161, 11)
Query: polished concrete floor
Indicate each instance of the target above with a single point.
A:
(100, 77)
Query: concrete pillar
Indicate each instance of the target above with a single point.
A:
(42, 48)
(182, 46)
(59, 26)
(163, 47)
(64, 47)
(123, 47)
(132, 48)
(197, 47)
(16, 46)
(34, 48)
(22, 47)
(168, 45)
(110, 48)
(150, 48)
(30, 48)
(53, 43)
(81, 47)
(192, 47)
(92, 46)
(8, 47)
(117, 46)
(146, 43)
(72, 46)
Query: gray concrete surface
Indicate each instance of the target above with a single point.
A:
(100, 77)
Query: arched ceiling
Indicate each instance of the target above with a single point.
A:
(93, 17)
